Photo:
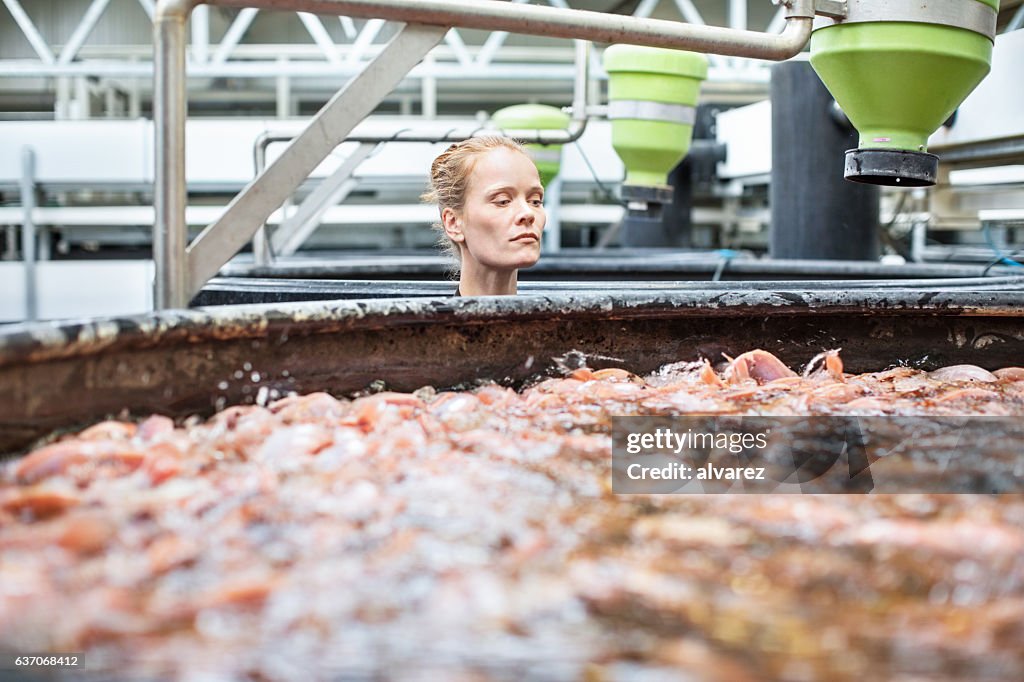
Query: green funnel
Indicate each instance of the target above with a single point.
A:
(897, 80)
(652, 93)
(547, 158)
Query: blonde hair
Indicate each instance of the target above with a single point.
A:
(449, 180)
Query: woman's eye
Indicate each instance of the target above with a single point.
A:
(502, 202)
(538, 202)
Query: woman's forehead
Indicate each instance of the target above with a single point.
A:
(503, 166)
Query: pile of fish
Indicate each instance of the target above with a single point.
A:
(474, 535)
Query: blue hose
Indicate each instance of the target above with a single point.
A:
(1002, 257)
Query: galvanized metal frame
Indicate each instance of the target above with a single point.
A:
(207, 61)
(182, 269)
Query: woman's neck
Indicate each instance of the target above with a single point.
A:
(475, 280)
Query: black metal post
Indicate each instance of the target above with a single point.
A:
(815, 212)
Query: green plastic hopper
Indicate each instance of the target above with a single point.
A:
(897, 81)
(536, 117)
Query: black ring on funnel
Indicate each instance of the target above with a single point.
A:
(891, 167)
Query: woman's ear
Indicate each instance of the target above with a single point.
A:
(452, 225)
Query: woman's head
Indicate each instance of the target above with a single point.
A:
(490, 200)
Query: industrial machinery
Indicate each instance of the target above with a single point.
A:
(914, 45)
(652, 97)
(548, 158)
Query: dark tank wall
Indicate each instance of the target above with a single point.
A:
(196, 362)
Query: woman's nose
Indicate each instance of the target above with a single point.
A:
(525, 215)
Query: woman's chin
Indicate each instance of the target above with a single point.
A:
(527, 262)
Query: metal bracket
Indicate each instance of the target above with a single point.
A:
(797, 9)
(833, 9)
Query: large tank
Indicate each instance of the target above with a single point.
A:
(463, 535)
(197, 361)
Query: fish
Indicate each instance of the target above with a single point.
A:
(465, 534)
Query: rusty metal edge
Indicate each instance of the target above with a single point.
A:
(39, 342)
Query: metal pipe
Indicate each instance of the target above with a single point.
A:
(201, 34)
(493, 15)
(573, 133)
(170, 231)
(581, 81)
(28, 231)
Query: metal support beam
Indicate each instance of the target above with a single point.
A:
(552, 205)
(690, 12)
(62, 99)
(364, 40)
(428, 92)
(645, 8)
(349, 27)
(458, 46)
(170, 232)
(297, 228)
(28, 231)
(493, 43)
(30, 31)
(201, 34)
(81, 105)
(283, 91)
(738, 14)
(320, 36)
(329, 128)
(82, 31)
(778, 22)
(234, 34)
(148, 7)
(1017, 21)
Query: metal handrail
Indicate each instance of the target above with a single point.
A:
(170, 238)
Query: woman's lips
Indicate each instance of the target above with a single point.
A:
(527, 236)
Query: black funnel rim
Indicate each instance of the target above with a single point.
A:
(891, 167)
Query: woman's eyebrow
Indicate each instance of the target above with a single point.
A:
(510, 189)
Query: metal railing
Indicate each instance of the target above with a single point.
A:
(182, 269)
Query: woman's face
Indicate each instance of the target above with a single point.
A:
(501, 223)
